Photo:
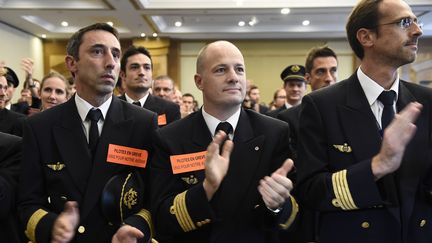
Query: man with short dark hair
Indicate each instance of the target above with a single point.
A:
(365, 143)
(321, 71)
(71, 151)
(136, 73)
(294, 80)
(254, 97)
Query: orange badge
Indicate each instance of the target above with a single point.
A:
(188, 162)
(127, 156)
(162, 120)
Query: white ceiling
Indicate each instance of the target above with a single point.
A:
(202, 19)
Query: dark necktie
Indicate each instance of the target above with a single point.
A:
(137, 103)
(224, 126)
(387, 99)
(93, 115)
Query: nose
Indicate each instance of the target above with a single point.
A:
(417, 29)
(110, 61)
(330, 77)
(232, 76)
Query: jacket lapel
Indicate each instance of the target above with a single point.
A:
(69, 133)
(357, 111)
(116, 130)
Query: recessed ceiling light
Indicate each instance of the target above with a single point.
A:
(155, 34)
(253, 21)
(306, 22)
(43, 36)
(285, 11)
(241, 23)
(143, 34)
(64, 24)
(110, 23)
(178, 23)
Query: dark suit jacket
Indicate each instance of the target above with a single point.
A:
(339, 137)
(10, 159)
(11, 122)
(305, 227)
(162, 107)
(57, 165)
(236, 213)
(21, 107)
(274, 113)
(291, 116)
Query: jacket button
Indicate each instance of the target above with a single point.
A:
(199, 224)
(81, 229)
(365, 225)
(422, 222)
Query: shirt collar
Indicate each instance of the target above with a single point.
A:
(142, 100)
(212, 121)
(84, 107)
(372, 89)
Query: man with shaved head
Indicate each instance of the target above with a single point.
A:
(222, 186)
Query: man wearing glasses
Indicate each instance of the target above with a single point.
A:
(365, 169)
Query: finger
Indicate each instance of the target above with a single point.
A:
(275, 187)
(71, 207)
(411, 111)
(220, 137)
(273, 190)
(227, 149)
(285, 168)
(284, 181)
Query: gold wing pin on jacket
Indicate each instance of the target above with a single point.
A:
(345, 148)
(56, 167)
(191, 180)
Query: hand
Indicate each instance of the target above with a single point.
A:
(127, 234)
(396, 136)
(27, 66)
(275, 189)
(66, 223)
(216, 165)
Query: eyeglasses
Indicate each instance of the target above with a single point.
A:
(405, 23)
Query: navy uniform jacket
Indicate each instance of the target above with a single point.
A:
(57, 167)
(292, 116)
(10, 159)
(236, 213)
(274, 113)
(11, 122)
(339, 136)
(170, 110)
(305, 227)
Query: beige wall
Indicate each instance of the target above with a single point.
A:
(16, 45)
(264, 61)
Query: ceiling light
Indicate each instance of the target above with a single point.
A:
(43, 36)
(178, 23)
(143, 34)
(285, 11)
(64, 24)
(306, 22)
(241, 23)
(155, 34)
(110, 23)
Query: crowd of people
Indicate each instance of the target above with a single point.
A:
(113, 154)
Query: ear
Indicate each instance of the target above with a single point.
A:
(307, 77)
(71, 64)
(198, 81)
(122, 75)
(366, 37)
